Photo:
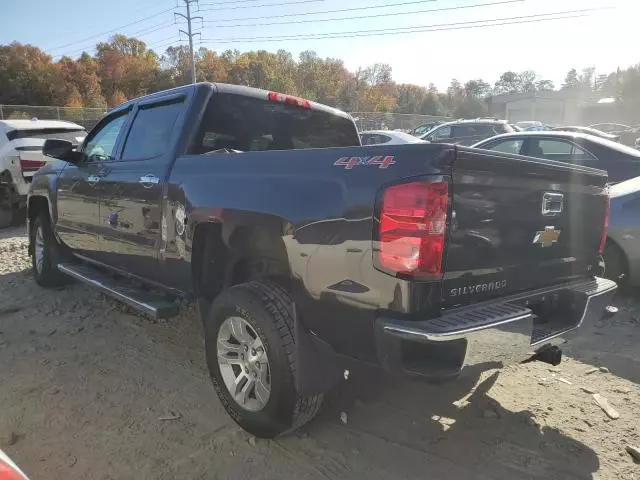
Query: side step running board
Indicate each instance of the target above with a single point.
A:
(136, 297)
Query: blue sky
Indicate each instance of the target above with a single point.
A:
(604, 38)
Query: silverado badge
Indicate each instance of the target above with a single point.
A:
(546, 237)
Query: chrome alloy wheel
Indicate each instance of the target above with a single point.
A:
(243, 364)
(39, 249)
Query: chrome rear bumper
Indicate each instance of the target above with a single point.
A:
(509, 330)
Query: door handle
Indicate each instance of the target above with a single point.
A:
(93, 179)
(148, 181)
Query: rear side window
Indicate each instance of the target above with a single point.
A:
(151, 131)
(250, 124)
(440, 133)
(374, 139)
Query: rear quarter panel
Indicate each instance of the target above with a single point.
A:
(322, 210)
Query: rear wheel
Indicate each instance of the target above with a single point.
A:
(45, 253)
(250, 353)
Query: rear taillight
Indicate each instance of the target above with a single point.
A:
(605, 227)
(412, 228)
(31, 165)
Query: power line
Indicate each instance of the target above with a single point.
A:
(296, 2)
(164, 43)
(109, 31)
(146, 31)
(418, 28)
(226, 3)
(414, 2)
(335, 19)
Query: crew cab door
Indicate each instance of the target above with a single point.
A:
(79, 186)
(132, 189)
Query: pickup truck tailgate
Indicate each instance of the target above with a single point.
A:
(518, 224)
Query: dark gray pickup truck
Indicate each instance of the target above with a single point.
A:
(305, 251)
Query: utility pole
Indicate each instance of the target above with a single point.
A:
(190, 35)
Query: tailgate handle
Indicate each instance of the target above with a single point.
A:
(552, 203)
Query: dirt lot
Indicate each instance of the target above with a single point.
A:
(89, 390)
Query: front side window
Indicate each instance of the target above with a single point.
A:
(101, 143)
(151, 131)
(236, 122)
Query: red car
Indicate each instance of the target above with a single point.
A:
(9, 470)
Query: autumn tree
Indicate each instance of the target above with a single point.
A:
(26, 75)
(126, 66)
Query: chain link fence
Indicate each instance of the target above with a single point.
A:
(87, 117)
(392, 121)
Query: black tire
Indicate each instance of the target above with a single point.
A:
(47, 275)
(615, 264)
(268, 308)
(7, 217)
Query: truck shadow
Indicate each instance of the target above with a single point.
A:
(411, 429)
(612, 342)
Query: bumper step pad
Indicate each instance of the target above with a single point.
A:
(478, 318)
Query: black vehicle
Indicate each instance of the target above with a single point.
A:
(621, 162)
(467, 132)
(420, 258)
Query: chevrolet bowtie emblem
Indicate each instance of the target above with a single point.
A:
(546, 237)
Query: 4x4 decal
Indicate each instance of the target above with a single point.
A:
(351, 162)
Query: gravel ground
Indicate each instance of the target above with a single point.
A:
(90, 390)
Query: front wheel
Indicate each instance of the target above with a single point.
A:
(250, 353)
(45, 253)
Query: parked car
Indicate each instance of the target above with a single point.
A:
(626, 133)
(423, 128)
(9, 470)
(589, 131)
(531, 126)
(300, 256)
(622, 251)
(21, 156)
(466, 132)
(621, 162)
(387, 137)
(611, 127)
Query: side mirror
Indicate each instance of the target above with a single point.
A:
(62, 150)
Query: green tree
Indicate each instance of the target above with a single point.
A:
(571, 81)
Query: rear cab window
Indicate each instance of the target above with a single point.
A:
(244, 123)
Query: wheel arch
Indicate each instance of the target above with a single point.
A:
(614, 243)
(224, 255)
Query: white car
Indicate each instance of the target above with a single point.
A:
(21, 156)
(387, 137)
